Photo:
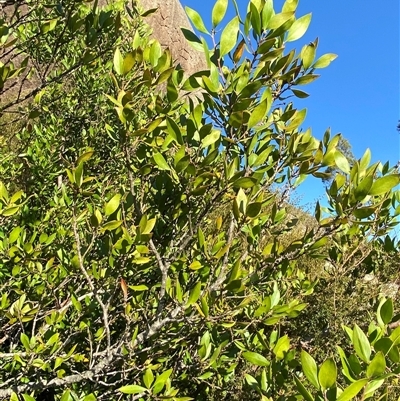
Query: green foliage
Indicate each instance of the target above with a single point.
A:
(148, 249)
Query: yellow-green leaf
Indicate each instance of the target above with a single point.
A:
(219, 11)
(258, 114)
(327, 374)
(310, 368)
(118, 62)
(112, 225)
(325, 60)
(160, 161)
(111, 206)
(384, 184)
(350, 392)
(132, 389)
(255, 358)
(281, 347)
(377, 366)
(196, 19)
(194, 294)
(299, 28)
(229, 36)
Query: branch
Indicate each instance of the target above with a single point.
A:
(60, 382)
(90, 283)
(222, 275)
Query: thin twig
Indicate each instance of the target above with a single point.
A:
(90, 283)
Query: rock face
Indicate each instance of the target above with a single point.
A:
(166, 23)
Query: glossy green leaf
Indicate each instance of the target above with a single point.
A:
(377, 366)
(112, 225)
(255, 358)
(302, 390)
(14, 235)
(310, 368)
(193, 39)
(229, 36)
(258, 114)
(3, 192)
(85, 157)
(66, 396)
(306, 79)
(194, 294)
(148, 378)
(300, 94)
(245, 182)
(365, 160)
(361, 344)
(363, 188)
(386, 311)
(25, 341)
(113, 204)
(118, 62)
(219, 11)
(174, 131)
(278, 20)
(161, 162)
(281, 347)
(161, 380)
(211, 138)
(128, 63)
(132, 389)
(267, 13)
(78, 175)
(299, 28)
(253, 209)
(196, 19)
(325, 60)
(327, 374)
(384, 184)
(351, 391)
(308, 55)
(341, 162)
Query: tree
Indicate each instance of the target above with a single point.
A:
(143, 248)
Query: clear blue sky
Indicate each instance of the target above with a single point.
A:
(358, 94)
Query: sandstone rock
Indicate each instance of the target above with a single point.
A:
(166, 24)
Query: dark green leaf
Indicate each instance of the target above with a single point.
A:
(386, 311)
(245, 182)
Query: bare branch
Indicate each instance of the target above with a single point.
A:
(90, 283)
